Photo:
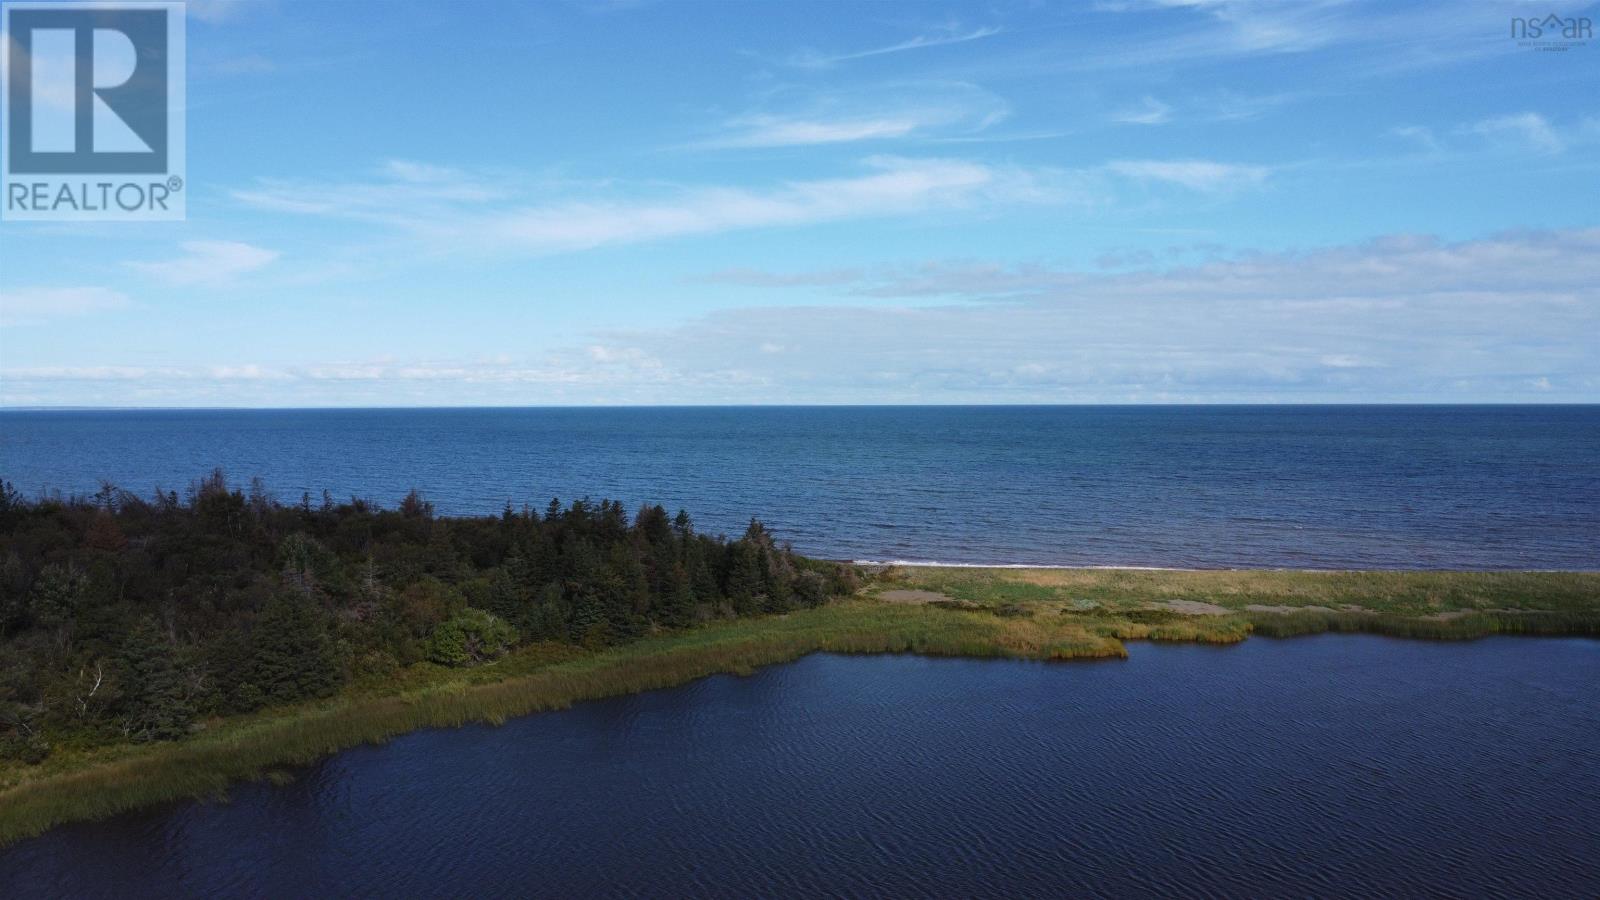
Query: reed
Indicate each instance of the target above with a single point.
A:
(1414, 593)
(1467, 627)
(1022, 614)
(258, 746)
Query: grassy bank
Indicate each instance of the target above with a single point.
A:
(1029, 614)
(1278, 603)
(88, 786)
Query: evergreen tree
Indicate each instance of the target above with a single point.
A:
(153, 693)
(504, 597)
(744, 577)
(677, 605)
(589, 626)
(552, 616)
(57, 599)
(703, 580)
(254, 587)
(292, 656)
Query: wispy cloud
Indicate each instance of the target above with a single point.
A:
(1420, 135)
(1148, 111)
(895, 186)
(1195, 174)
(941, 38)
(1405, 317)
(1232, 106)
(1529, 130)
(208, 262)
(1359, 38)
(799, 118)
(745, 277)
(1554, 265)
(776, 131)
(19, 306)
(890, 186)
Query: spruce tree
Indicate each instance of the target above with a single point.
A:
(677, 606)
(157, 708)
(744, 577)
(291, 654)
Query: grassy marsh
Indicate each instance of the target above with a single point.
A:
(1020, 613)
(1230, 604)
(95, 784)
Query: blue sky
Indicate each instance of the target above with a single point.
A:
(611, 203)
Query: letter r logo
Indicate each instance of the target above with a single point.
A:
(87, 90)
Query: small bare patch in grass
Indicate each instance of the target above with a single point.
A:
(913, 596)
(1264, 608)
(1190, 607)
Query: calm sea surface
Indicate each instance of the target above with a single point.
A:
(1326, 766)
(1440, 487)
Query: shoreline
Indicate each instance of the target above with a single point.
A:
(1021, 613)
(1095, 567)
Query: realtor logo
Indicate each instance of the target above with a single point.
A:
(93, 119)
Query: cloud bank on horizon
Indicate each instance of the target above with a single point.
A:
(675, 203)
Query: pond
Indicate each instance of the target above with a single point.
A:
(1327, 765)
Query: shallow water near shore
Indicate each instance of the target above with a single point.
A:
(1334, 764)
(1445, 487)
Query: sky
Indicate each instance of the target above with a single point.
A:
(474, 203)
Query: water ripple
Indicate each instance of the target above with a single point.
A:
(1337, 765)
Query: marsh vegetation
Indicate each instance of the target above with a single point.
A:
(153, 651)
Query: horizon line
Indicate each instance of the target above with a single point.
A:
(931, 405)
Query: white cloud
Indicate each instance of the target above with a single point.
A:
(747, 277)
(1196, 174)
(422, 173)
(771, 131)
(884, 112)
(1508, 317)
(812, 59)
(890, 186)
(208, 262)
(1418, 134)
(1149, 111)
(1527, 130)
(1403, 317)
(896, 187)
(23, 305)
(1347, 361)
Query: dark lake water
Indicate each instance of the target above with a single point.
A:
(1330, 487)
(1327, 766)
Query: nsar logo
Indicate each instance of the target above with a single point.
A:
(1552, 32)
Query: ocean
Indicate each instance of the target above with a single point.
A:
(1468, 487)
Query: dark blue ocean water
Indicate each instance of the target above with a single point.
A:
(1444, 487)
(1335, 766)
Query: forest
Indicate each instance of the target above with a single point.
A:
(131, 619)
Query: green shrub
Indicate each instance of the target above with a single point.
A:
(470, 637)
